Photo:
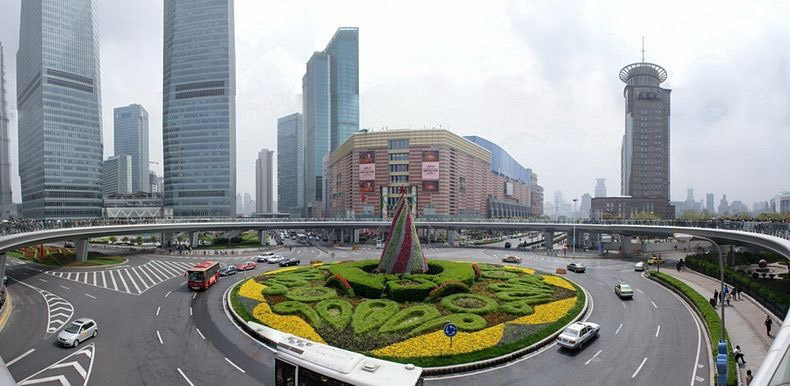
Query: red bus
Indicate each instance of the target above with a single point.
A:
(203, 275)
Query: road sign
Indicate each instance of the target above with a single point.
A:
(450, 330)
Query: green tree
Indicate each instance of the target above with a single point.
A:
(645, 216)
(113, 239)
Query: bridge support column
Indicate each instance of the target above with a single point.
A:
(81, 247)
(342, 235)
(167, 239)
(2, 267)
(451, 235)
(627, 247)
(355, 235)
(193, 239)
(548, 240)
(262, 238)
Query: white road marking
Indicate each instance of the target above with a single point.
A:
(185, 377)
(160, 337)
(601, 283)
(94, 277)
(194, 294)
(658, 330)
(168, 293)
(234, 365)
(42, 280)
(90, 296)
(654, 304)
(64, 287)
(104, 279)
(131, 279)
(640, 291)
(593, 357)
(157, 311)
(200, 333)
(114, 283)
(623, 303)
(618, 329)
(190, 311)
(639, 368)
(28, 352)
(135, 270)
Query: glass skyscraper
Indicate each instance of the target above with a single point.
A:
(131, 138)
(343, 51)
(59, 104)
(199, 108)
(5, 162)
(290, 164)
(315, 91)
(263, 182)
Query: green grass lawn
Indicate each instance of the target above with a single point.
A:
(63, 260)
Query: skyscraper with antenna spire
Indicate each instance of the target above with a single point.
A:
(5, 162)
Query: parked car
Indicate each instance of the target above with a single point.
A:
(227, 270)
(264, 257)
(577, 334)
(623, 290)
(576, 267)
(655, 260)
(512, 259)
(246, 266)
(77, 332)
(639, 266)
(289, 261)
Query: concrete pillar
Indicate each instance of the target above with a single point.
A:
(167, 239)
(451, 235)
(193, 239)
(342, 235)
(548, 240)
(262, 238)
(355, 235)
(626, 245)
(2, 268)
(81, 247)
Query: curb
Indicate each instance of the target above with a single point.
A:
(7, 309)
(125, 261)
(239, 321)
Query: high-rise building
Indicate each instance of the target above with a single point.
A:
(249, 205)
(709, 203)
(239, 204)
(6, 197)
(131, 137)
(290, 164)
(117, 174)
(585, 205)
(59, 104)
(343, 51)
(600, 187)
(199, 108)
(263, 182)
(315, 91)
(154, 183)
(724, 206)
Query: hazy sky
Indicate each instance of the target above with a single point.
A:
(540, 78)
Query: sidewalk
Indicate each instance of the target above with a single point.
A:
(744, 320)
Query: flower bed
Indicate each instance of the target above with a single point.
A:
(497, 309)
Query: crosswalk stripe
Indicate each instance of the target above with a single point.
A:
(85, 279)
(153, 267)
(114, 284)
(131, 279)
(123, 281)
(104, 280)
(171, 267)
(168, 268)
(135, 269)
(94, 277)
(143, 270)
(150, 269)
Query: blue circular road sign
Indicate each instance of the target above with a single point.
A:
(450, 330)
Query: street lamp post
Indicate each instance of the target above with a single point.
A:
(574, 230)
(721, 360)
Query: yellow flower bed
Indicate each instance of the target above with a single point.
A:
(525, 270)
(252, 289)
(290, 324)
(436, 343)
(281, 270)
(547, 313)
(559, 282)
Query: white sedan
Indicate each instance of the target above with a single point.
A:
(577, 334)
(639, 266)
(623, 290)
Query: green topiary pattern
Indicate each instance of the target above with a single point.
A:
(274, 289)
(288, 281)
(311, 294)
(529, 297)
(531, 280)
(340, 283)
(499, 274)
(409, 290)
(337, 313)
(464, 322)
(518, 307)
(455, 303)
(448, 288)
(289, 307)
(409, 318)
(371, 314)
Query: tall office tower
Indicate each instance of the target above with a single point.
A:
(724, 206)
(586, 205)
(315, 91)
(263, 181)
(645, 148)
(290, 164)
(249, 204)
(709, 203)
(5, 161)
(343, 51)
(600, 187)
(153, 182)
(199, 108)
(131, 137)
(59, 104)
(117, 174)
(239, 204)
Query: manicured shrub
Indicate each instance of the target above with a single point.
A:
(448, 288)
(499, 275)
(306, 274)
(464, 322)
(316, 262)
(364, 283)
(520, 287)
(371, 314)
(340, 283)
(409, 318)
(288, 281)
(518, 307)
(489, 267)
(530, 280)
(409, 290)
(311, 294)
(337, 313)
(469, 303)
(452, 271)
(527, 296)
(275, 289)
(290, 307)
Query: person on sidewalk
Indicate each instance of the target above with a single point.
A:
(729, 296)
(712, 302)
(768, 324)
(716, 295)
(749, 376)
(738, 354)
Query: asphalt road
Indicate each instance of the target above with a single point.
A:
(154, 330)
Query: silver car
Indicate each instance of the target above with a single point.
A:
(77, 332)
(577, 334)
(623, 290)
(639, 266)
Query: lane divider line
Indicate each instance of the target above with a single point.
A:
(190, 311)
(640, 291)
(201, 334)
(185, 376)
(168, 293)
(42, 280)
(234, 365)
(593, 357)
(160, 337)
(618, 329)
(28, 352)
(658, 330)
(157, 310)
(64, 287)
(90, 296)
(639, 368)
(654, 304)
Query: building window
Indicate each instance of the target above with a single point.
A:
(399, 156)
(399, 179)
(394, 144)
(399, 168)
(462, 184)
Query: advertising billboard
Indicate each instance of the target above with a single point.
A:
(430, 186)
(430, 165)
(508, 188)
(367, 186)
(367, 166)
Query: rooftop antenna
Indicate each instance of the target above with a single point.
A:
(643, 49)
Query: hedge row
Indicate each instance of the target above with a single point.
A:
(455, 303)
(464, 322)
(448, 288)
(373, 286)
(336, 312)
(712, 320)
(371, 314)
(311, 294)
(409, 318)
(409, 290)
(290, 307)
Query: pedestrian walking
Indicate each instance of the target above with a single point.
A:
(729, 296)
(712, 302)
(738, 354)
(716, 295)
(749, 376)
(768, 324)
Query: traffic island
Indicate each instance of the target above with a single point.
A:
(65, 257)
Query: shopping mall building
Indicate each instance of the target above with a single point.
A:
(443, 174)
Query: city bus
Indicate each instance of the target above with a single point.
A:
(301, 362)
(203, 275)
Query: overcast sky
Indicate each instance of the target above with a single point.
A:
(539, 78)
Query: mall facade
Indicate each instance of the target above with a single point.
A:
(442, 174)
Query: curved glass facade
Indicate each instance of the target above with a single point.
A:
(343, 52)
(198, 120)
(501, 162)
(59, 104)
